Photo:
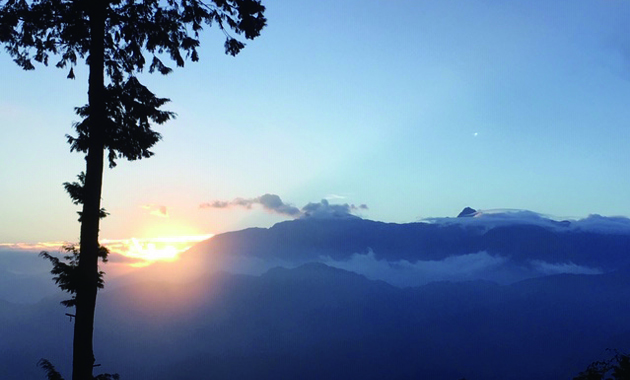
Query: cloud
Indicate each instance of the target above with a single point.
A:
(269, 202)
(473, 266)
(215, 204)
(273, 203)
(560, 268)
(467, 267)
(603, 224)
(335, 196)
(324, 209)
(156, 210)
(503, 217)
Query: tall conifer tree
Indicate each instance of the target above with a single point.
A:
(116, 39)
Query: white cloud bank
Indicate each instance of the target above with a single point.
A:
(468, 267)
(560, 268)
(502, 217)
(404, 273)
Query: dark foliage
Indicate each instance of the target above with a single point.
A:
(76, 190)
(615, 368)
(130, 109)
(53, 374)
(135, 31)
(51, 371)
(137, 34)
(66, 273)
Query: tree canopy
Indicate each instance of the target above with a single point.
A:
(615, 368)
(136, 34)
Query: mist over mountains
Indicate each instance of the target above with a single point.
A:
(492, 296)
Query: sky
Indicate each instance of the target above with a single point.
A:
(403, 110)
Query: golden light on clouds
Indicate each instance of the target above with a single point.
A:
(140, 251)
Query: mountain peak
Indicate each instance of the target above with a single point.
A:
(467, 212)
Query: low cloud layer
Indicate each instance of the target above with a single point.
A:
(404, 273)
(274, 204)
(501, 217)
(468, 267)
(560, 268)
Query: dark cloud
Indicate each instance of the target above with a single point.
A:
(215, 204)
(324, 209)
(269, 202)
(273, 203)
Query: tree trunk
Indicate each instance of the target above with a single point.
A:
(83, 354)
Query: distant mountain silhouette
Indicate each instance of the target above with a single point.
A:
(309, 320)
(316, 322)
(523, 242)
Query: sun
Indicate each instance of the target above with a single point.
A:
(146, 251)
(150, 251)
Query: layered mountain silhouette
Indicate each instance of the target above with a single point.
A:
(529, 245)
(315, 322)
(558, 300)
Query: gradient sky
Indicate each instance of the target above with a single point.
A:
(415, 108)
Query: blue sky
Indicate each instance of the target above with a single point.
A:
(414, 108)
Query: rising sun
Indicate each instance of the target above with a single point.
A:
(149, 250)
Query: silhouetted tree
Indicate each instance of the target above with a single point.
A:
(53, 374)
(51, 371)
(615, 368)
(66, 274)
(117, 39)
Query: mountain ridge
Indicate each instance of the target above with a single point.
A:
(516, 249)
(287, 324)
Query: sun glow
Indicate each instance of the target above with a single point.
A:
(134, 252)
(145, 251)
(150, 251)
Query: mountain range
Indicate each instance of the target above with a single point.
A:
(562, 300)
(501, 246)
